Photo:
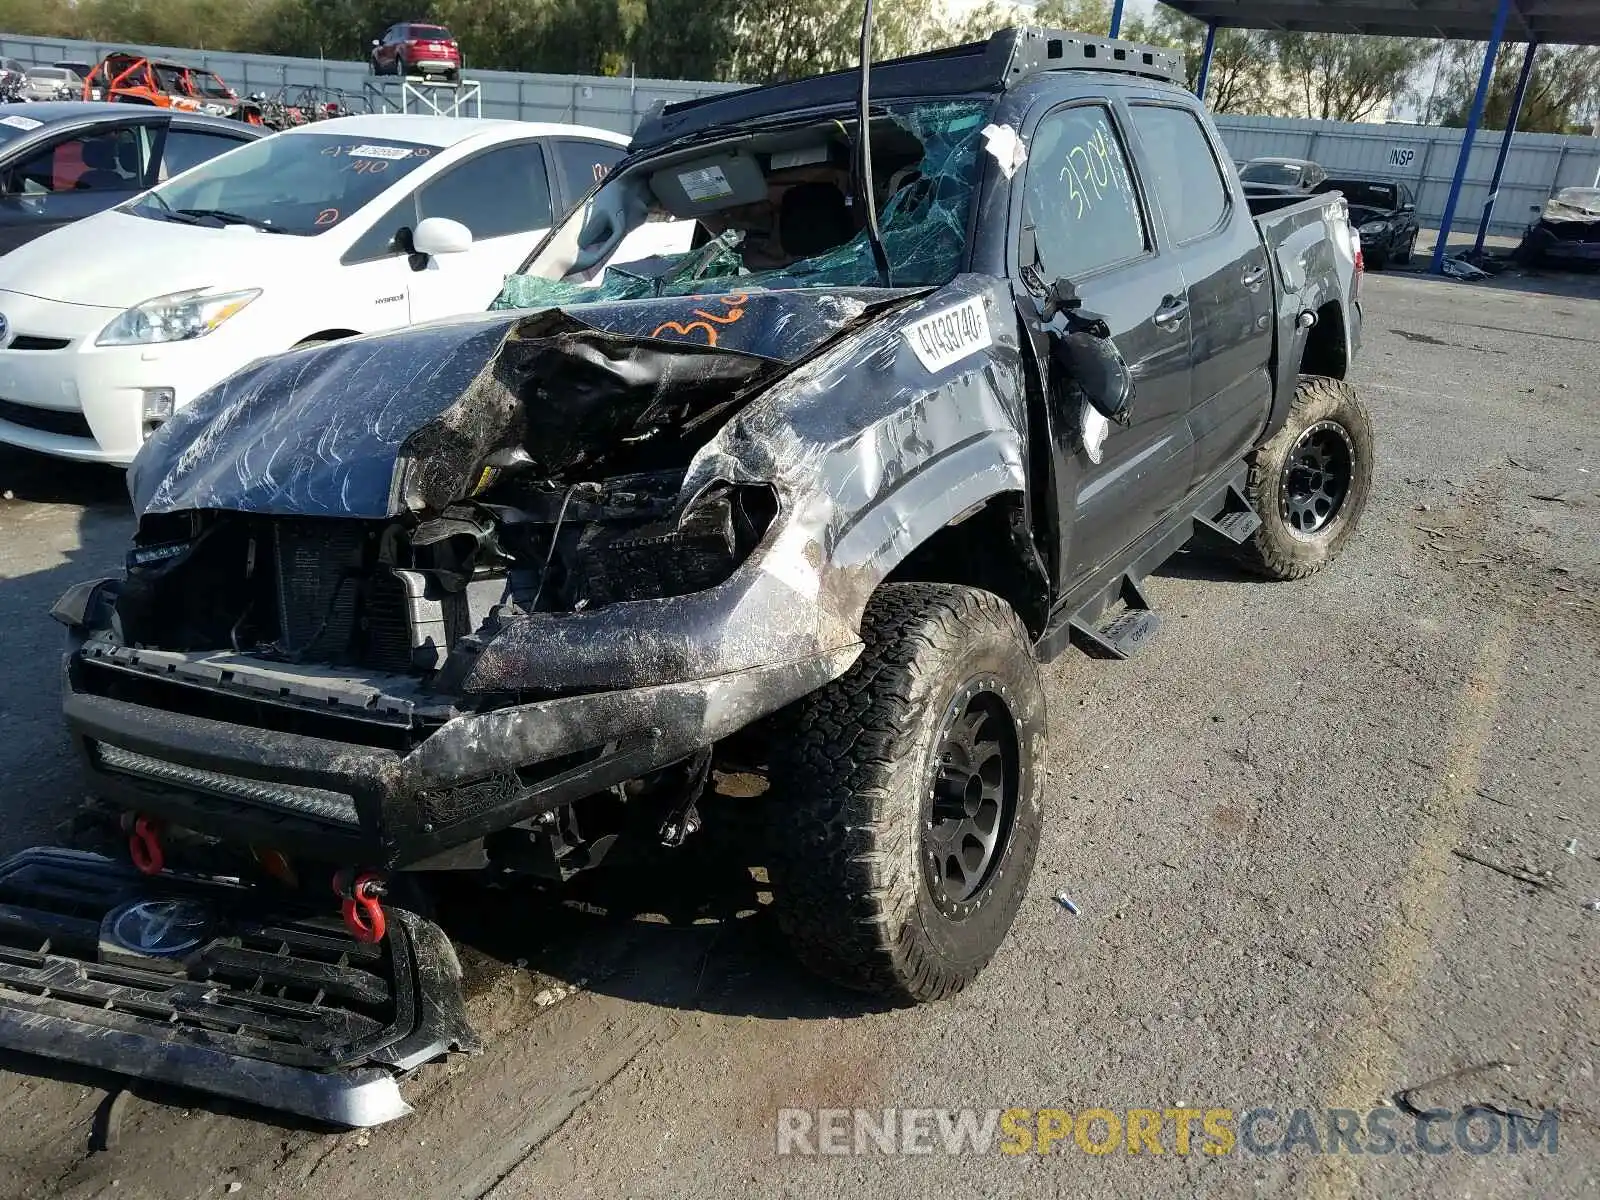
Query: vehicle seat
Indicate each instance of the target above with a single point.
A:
(101, 157)
(812, 218)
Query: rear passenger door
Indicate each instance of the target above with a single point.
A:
(1085, 218)
(1224, 263)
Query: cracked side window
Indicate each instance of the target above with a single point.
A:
(801, 226)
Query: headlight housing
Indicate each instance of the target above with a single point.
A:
(1375, 227)
(178, 317)
(695, 550)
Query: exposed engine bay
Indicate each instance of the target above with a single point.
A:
(396, 596)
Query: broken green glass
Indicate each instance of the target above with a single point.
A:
(923, 226)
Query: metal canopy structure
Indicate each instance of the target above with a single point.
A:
(1548, 22)
(1534, 22)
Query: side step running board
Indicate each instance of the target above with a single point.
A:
(1126, 633)
(1235, 525)
(1219, 514)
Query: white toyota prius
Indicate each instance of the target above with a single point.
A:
(348, 226)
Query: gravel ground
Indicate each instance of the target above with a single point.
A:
(1263, 821)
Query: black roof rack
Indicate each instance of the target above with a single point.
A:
(1005, 60)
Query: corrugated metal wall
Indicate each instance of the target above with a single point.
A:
(1425, 157)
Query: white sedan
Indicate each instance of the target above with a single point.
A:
(349, 226)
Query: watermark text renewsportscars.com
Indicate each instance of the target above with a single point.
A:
(1164, 1131)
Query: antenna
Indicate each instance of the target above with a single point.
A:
(864, 148)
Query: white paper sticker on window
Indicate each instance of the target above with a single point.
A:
(708, 183)
(21, 122)
(951, 334)
(1003, 143)
(390, 152)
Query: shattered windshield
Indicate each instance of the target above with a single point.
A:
(775, 209)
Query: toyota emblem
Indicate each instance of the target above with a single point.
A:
(161, 928)
(5, 330)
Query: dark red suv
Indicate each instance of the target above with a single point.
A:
(414, 49)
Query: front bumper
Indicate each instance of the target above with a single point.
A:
(277, 773)
(73, 399)
(268, 1004)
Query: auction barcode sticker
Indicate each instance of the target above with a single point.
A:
(951, 334)
(390, 152)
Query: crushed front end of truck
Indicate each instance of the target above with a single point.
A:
(491, 595)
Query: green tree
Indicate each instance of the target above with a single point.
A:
(1240, 62)
(685, 39)
(1079, 16)
(787, 39)
(1563, 94)
(1345, 78)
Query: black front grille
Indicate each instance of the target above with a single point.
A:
(25, 341)
(297, 990)
(45, 420)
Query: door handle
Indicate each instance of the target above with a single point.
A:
(1172, 312)
(1253, 276)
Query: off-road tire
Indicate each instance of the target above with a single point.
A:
(1276, 550)
(852, 774)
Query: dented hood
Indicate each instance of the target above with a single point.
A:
(372, 426)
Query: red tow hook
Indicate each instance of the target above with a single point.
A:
(359, 897)
(144, 843)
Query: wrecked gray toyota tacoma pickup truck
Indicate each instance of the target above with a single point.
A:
(908, 410)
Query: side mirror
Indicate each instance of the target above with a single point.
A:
(376, 42)
(440, 235)
(1406, 208)
(1099, 369)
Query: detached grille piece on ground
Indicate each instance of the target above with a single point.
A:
(203, 984)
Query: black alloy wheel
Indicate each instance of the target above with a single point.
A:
(973, 801)
(1316, 478)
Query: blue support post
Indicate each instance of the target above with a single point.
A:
(1205, 61)
(1505, 144)
(1473, 118)
(1116, 18)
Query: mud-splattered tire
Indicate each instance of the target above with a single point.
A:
(867, 796)
(1310, 482)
